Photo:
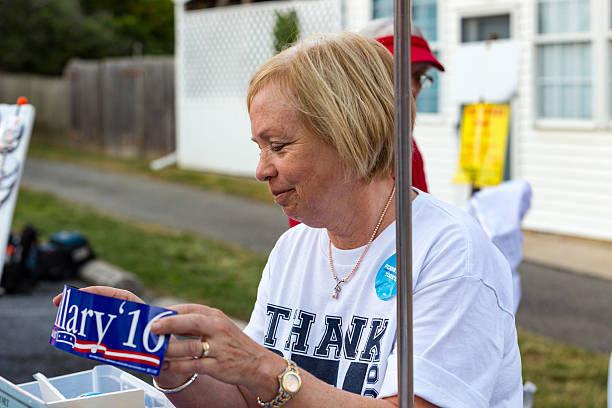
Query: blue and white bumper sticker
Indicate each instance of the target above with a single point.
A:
(110, 330)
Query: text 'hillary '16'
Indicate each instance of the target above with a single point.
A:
(110, 330)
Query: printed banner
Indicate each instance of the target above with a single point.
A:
(15, 129)
(110, 330)
(484, 138)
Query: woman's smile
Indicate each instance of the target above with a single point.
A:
(282, 196)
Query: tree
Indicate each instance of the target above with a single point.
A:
(149, 23)
(40, 36)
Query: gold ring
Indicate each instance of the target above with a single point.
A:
(205, 349)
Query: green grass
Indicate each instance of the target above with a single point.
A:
(168, 262)
(240, 186)
(566, 376)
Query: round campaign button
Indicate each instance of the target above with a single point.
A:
(386, 279)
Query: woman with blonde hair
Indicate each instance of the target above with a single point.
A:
(323, 329)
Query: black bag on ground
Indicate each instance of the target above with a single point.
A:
(19, 273)
(63, 255)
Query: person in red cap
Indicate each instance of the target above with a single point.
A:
(421, 61)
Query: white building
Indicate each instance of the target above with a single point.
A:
(561, 136)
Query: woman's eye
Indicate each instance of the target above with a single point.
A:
(277, 147)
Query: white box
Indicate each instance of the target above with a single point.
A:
(116, 389)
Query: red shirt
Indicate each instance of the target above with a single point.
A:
(418, 175)
(418, 169)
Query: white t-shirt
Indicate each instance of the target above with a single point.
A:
(465, 344)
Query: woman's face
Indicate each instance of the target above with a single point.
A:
(304, 173)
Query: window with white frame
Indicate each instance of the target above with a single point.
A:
(483, 28)
(564, 74)
(382, 8)
(425, 17)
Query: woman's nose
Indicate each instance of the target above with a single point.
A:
(265, 168)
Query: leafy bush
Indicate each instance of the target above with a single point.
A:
(286, 29)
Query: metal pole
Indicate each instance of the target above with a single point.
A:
(403, 181)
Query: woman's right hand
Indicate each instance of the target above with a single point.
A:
(120, 294)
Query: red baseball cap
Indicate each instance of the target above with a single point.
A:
(419, 50)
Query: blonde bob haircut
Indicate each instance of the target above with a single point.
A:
(341, 86)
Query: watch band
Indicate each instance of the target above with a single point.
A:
(284, 394)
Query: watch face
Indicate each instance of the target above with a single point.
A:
(291, 382)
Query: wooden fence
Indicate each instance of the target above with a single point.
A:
(49, 95)
(123, 106)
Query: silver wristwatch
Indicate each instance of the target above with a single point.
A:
(289, 383)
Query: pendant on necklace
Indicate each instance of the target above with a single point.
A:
(336, 291)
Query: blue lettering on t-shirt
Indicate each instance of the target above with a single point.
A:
(323, 364)
(300, 331)
(331, 338)
(275, 312)
(371, 352)
(353, 335)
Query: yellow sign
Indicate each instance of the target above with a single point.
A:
(484, 137)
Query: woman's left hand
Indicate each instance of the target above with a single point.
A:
(233, 357)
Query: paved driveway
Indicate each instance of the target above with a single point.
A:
(250, 224)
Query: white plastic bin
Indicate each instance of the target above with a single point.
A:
(101, 379)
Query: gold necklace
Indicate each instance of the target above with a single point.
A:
(336, 291)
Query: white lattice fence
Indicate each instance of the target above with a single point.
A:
(218, 50)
